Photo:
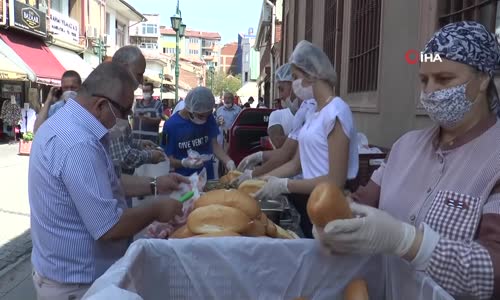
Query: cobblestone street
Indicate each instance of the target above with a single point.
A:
(15, 240)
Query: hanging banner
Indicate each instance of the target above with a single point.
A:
(27, 18)
(3, 12)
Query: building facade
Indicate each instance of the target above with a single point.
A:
(229, 59)
(146, 35)
(367, 41)
(119, 14)
(250, 58)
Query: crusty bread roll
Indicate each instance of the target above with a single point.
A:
(218, 234)
(283, 234)
(271, 229)
(232, 198)
(256, 228)
(251, 186)
(230, 176)
(327, 203)
(181, 233)
(217, 218)
(356, 290)
(263, 218)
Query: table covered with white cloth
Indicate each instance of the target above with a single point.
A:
(254, 268)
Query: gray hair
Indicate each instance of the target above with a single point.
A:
(68, 95)
(108, 79)
(128, 55)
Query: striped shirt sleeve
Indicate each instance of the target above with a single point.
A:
(88, 183)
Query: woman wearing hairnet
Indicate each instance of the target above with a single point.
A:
(195, 128)
(438, 193)
(327, 141)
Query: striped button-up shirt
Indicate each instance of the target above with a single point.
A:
(75, 198)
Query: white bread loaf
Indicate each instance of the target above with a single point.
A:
(217, 218)
(231, 198)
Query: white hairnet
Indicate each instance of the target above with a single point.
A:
(313, 61)
(200, 100)
(284, 73)
(68, 95)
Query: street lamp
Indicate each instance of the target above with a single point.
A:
(161, 84)
(211, 69)
(100, 49)
(180, 29)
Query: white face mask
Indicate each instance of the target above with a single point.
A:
(448, 106)
(304, 93)
(228, 105)
(146, 96)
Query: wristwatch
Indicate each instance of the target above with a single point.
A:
(152, 185)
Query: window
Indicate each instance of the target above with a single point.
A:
(309, 17)
(483, 11)
(246, 76)
(247, 57)
(364, 46)
(149, 29)
(169, 50)
(120, 34)
(193, 40)
(108, 24)
(194, 52)
(148, 46)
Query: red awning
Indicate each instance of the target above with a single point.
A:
(36, 55)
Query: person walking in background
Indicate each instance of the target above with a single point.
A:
(249, 103)
(261, 103)
(148, 114)
(70, 81)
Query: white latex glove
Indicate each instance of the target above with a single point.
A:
(273, 188)
(374, 232)
(191, 163)
(251, 161)
(243, 177)
(230, 165)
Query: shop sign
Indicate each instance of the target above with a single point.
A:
(64, 27)
(3, 12)
(27, 18)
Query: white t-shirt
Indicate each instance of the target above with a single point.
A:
(282, 117)
(313, 139)
(306, 108)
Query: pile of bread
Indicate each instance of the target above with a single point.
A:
(228, 213)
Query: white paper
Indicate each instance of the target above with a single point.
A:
(255, 268)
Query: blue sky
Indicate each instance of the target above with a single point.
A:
(228, 17)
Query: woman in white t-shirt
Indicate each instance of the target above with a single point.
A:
(327, 141)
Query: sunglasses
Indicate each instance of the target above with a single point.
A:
(124, 111)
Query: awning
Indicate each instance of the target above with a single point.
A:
(36, 55)
(249, 89)
(10, 71)
(71, 61)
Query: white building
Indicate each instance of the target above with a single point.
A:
(146, 34)
(119, 16)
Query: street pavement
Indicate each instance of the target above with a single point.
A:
(15, 240)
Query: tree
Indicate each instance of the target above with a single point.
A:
(223, 83)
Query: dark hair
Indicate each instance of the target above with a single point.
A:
(149, 84)
(72, 74)
(250, 99)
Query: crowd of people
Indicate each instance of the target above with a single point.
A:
(434, 202)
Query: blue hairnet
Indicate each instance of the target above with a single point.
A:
(200, 100)
(313, 61)
(284, 73)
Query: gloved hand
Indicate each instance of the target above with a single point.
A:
(191, 163)
(250, 161)
(273, 188)
(375, 232)
(230, 165)
(243, 177)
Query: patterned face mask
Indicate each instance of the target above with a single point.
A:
(448, 106)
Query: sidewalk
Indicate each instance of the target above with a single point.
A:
(15, 240)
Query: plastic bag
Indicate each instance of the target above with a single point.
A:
(154, 170)
(163, 230)
(195, 155)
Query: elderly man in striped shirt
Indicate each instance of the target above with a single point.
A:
(80, 223)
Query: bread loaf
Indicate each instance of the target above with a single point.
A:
(230, 176)
(251, 186)
(232, 198)
(217, 218)
(271, 229)
(356, 290)
(327, 203)
(217, 234)
(181, 233)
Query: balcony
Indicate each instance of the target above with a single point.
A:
(208, 57)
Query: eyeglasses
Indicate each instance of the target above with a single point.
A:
(123, 110)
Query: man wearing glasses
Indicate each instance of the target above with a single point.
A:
(80, 223)
(129, 153)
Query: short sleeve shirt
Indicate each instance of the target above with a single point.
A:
(283, 118)
(306, 108)
(313, 139)
(182, 135)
